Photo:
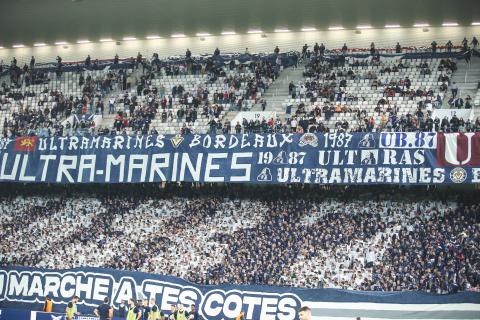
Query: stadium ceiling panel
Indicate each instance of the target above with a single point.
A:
(31, 21)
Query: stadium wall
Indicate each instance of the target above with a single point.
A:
(235, 43)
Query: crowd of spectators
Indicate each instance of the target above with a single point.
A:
(387, 239)
(185, 106)
(42, 111)
(327, 91)
(386, 123)
(296, 124)
(241, 83)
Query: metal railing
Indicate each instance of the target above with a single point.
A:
(469, 64)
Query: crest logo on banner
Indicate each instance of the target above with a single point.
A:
(369, 157)
(177, 140)
(26, 143)
(368, 141)
(265, 175)
(308, 139)
(458, 175)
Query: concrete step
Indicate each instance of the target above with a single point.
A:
(277, 99)
(273, 93)
(469, 86)
(229, 116)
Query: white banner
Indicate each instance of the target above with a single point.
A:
(464, 114)
(253, 115)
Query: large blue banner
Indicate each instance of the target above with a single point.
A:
(22, 314)
(25, 288)
(331, 158)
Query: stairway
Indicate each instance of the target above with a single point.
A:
(278, 92)
(108, 119)
(467, 77)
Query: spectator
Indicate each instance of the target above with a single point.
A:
(454, 90)
(464, 44)
(449, 46)
(241, 316)
(398, 48)
(305, 313)
(180, 313)
(104, 311)
(474, 43)
(48, 304)
(71, 309)
(193, 314)
(259, 237)
(133, 310)
(122, 310)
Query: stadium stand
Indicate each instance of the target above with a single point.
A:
(370, 93)
(394, 241)
(141, 96)
(42, 107)
(180, 100)
(282, 228)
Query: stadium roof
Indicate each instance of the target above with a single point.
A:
(50, 21)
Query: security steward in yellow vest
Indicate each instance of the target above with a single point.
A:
(181, 313)
(154, 313)
(71, 309)
(133, 311)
